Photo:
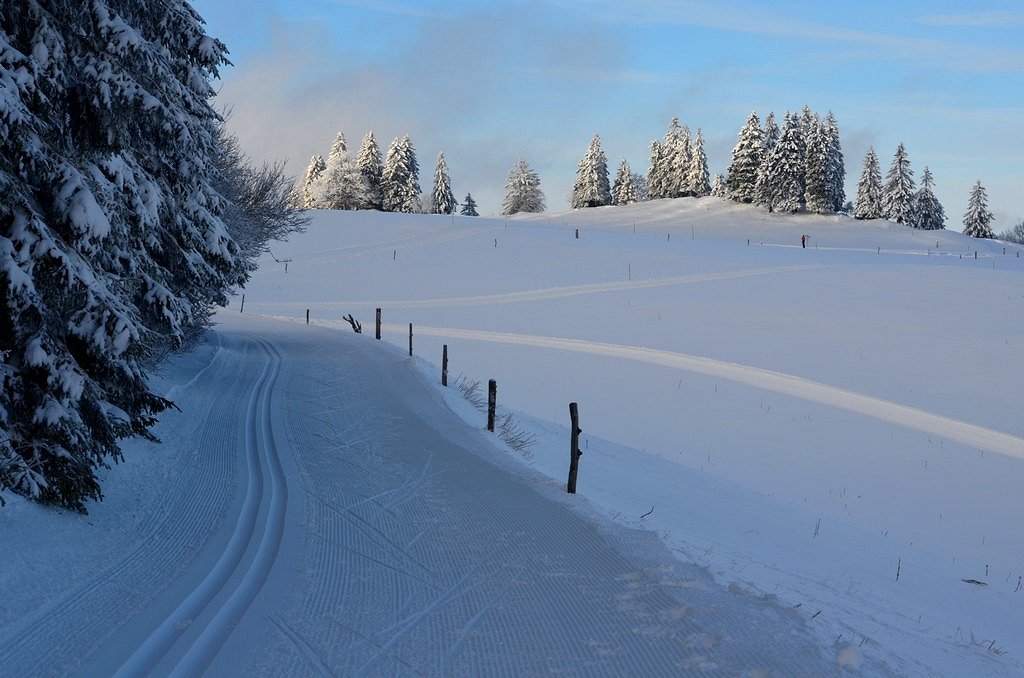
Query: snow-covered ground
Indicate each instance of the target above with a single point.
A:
(808, 424)
(317, 509)
(832, 434)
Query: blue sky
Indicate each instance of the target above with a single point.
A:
(489, 83)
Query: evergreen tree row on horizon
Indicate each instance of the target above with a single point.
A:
(796, 167)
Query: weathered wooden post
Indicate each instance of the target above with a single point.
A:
(410, 340)
(242, 309)
(378, 324)
(492, 401)
(307, 316)
(574, 448)
(444, 365)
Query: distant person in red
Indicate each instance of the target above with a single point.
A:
(803, 241)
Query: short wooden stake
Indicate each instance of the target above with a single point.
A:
(286, 267)
(574, 447)
(879, 250)
(307, 316)
(492, 402)
(748, 242)
(242, 308)
(577, 234)
(975, 254)
(692, 234)
(444, 365)
(629, 271)
(410, 340)
(394, 255)
(378, 324)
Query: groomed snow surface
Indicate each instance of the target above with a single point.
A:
(793, 460)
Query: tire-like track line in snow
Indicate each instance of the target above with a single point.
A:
(546, 293)
(266, 499)
(778, 382)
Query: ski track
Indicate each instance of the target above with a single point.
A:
(778, 382)
(422, 558)
(262, 496)
(562, 292)
(51, 643)
(416, 240)
(418, 555)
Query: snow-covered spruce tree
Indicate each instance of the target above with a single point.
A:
(639, 186)
(623, 189)
(341, 185)
(869, 189)
(112, 245)
(835, 171)
(816, 188)
(927, 214)
(591, 188)
(469, 207)
(746, 160)
(522, 190)
(977, 219)
(771, 133)
(898, 192)
(442, 200)
(718, 189)
(313, 173)
(656, 174)
(783, 183)
(371, 168)
(400, 181)
(676, 161)
(697, 179)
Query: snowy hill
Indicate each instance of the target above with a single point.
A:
(831, 433)
(806, 423)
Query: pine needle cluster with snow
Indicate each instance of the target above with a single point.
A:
(115, 231)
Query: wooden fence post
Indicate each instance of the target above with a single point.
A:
(492, 401)
(307, 316)
(410, 340)
(242, 309)
(574, 447)
(378, 324)
(444, 365)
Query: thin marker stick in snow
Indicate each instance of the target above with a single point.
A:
(492, 401)
(410, 340)
(378, 324)
(394, 255)
(444, 365)
(307, 316)
(242, 309)
(574, 447)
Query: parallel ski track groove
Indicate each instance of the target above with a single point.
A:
(260, 450)
(47, 645)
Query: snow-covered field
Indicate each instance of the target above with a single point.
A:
(837, 426)
(832, 434)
